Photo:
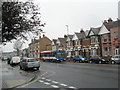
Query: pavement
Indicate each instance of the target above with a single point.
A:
(11, 77)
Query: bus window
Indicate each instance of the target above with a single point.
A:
(61, 54)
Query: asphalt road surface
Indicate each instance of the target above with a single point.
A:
(76, 75)
(73, 75)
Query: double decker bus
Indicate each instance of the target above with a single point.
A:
(53, 56)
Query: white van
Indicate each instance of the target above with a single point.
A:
(15, 60)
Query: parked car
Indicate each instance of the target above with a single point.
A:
(4, 58)
(8, 60)
(27, 63)
(15, 60)
(79, 58)
(115, 59)
(97, 59)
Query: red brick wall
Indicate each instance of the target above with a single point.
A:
(86, 42)
(105, 44)
(114, 42)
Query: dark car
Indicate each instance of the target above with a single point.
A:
(97, 59)
(79, 58)
(8, 60)
(4, 58)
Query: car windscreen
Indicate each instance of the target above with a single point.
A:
(32, 60)
(96, 57)
(80, 56)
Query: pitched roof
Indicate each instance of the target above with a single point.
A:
(33, 42)
(112, 24)
(86, 33)
(70, 36)
(62, 40)
(108, 25)
(116, 23)
(54, 40)
(80, 35)
(95, 30)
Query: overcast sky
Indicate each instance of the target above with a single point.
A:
(76, 14)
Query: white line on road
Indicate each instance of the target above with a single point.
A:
(43, 78)
(46, 83)
(48, 80)
(41, 81)
(63, 84)
(54, 82)
(72, 87)
(54, 86)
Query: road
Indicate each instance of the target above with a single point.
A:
(73, 75)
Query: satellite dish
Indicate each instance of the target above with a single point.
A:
(18, 44)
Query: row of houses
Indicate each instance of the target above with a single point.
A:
(102, 41)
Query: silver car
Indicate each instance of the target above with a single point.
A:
(27, 63)
(115, 59)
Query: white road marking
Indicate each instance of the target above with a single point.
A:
(63, 84)
(54, 82)
(54, 86)
(43, 78)
(41, 81)
(46, 83)
(48, 79)
(72, 87)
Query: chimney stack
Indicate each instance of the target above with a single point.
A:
(81, 31)
(110, 20)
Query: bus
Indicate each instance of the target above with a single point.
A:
(53, 56)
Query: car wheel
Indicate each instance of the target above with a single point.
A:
(90, 61)
(112, 62)
(100, 62)
(20, 67)
(25, 69)
(37, 68)
(74, 60)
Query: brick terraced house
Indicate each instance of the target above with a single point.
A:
(102, 41)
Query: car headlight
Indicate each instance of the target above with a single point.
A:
(83, 59)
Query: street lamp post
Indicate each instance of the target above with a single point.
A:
(67, 29)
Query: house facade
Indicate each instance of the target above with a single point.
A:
(105, 36)
(77, 42)
(86, 45)
(115, 38)
(95, 48)
(33, 48)
(54, 44)
(61, 43)
(69, 43)
(102, 41)
(110, 38)
(36, 46)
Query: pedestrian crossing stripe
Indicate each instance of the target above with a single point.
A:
(55, 84)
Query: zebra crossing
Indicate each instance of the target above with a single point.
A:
(55, 84)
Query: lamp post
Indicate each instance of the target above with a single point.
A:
(67, 29)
